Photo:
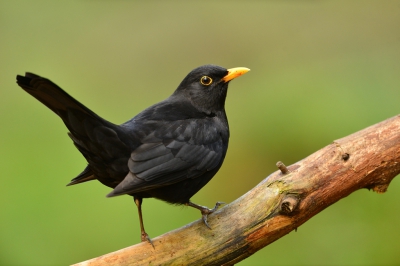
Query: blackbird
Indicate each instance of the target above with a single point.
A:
(169, 151)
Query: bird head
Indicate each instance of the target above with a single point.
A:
(206, 86)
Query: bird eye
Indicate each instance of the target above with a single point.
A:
(205, 80)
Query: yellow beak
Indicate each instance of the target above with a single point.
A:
(235, 72)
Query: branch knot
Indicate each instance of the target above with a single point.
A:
(289, 204)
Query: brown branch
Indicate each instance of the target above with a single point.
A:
(279, 204)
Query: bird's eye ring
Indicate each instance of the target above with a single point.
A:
(205, 80)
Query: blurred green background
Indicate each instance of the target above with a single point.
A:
(320, 70)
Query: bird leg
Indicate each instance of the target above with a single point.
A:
(204, 210)
(144, 236)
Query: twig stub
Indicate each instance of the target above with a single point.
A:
(282, 167)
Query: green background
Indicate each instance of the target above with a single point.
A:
(320, 70)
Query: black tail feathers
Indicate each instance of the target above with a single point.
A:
(51, 95)
(91, 134)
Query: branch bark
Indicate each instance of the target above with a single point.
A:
(282, 202)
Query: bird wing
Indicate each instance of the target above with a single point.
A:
(173, 152)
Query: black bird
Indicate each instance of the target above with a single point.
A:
(169, 151)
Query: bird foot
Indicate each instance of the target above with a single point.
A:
(145, 238)
(205, 211)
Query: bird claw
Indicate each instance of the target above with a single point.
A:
(206, 211)
(145, 238)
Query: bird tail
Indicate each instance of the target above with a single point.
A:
(53, 97)
(79, 119)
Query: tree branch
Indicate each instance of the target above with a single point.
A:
(279, 204)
